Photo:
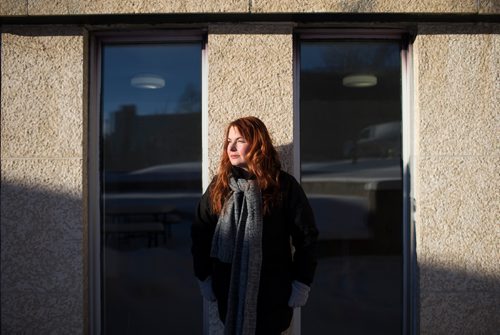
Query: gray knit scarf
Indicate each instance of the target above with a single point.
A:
(238, 240)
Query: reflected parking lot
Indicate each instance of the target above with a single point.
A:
(351, 173)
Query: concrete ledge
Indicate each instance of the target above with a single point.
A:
(489, 7)
(84, 7)
(365, 6)
(13, 8)
(100, 7)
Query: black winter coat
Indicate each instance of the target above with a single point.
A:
(292, 218)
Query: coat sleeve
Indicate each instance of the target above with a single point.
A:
(202, 231)
(303, 232)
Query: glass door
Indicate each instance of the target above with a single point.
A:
(150, 122)
(350, 130)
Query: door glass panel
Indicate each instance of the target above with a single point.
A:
(151, 177)
(350, 110)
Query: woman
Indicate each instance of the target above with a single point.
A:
(241, 236)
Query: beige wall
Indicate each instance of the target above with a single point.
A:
(84, 7)
(250, 73)
(42, 225)
(457, 186)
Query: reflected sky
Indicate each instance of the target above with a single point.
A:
(178, 64)
(351, 57)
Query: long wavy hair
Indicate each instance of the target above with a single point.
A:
(262, 162)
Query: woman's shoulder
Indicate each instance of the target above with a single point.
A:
(287, 175)
(287, 180)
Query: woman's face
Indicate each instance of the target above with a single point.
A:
(237, 148)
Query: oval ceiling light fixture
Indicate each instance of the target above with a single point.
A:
(359, 80)
(147, 81)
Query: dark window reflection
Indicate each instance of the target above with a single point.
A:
(151, 172)
(350, 103)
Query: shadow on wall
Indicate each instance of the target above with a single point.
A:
(285, 153)
(353, 296)
(42, 277)
(42, 262)
(454, 301)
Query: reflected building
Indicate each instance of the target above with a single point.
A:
(139, 141)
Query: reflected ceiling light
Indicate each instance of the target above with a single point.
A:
(148, 81)
(359, 80)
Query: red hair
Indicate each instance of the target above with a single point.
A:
(262, 161)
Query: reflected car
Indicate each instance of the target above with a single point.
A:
(380, 140)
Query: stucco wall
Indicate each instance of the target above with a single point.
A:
(250, 73)
(86, 7)
(42, 258)
(457, 185)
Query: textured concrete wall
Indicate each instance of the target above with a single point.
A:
(13, 7)
(81, 7)
(76, 7)
(457, 185)
(489, 6)
(366, 6)
(250, 73)
(42, 256)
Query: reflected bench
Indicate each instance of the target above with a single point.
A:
(137, 220)
(128, 229)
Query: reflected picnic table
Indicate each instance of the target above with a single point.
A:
(141, 219)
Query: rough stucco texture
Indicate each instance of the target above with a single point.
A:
(41, 95)
(458, 88)
(365, 6)
(489, 6)
(13, 7)
(250, 73)
(41, 172)
(79, 7)
(457, 163)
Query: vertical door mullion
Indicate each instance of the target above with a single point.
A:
(93, 196)
(407, 161)
(204, 148)
(296, 321)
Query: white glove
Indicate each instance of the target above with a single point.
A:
(300, 293)
(206, 289)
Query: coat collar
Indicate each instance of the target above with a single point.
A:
(239, 173)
